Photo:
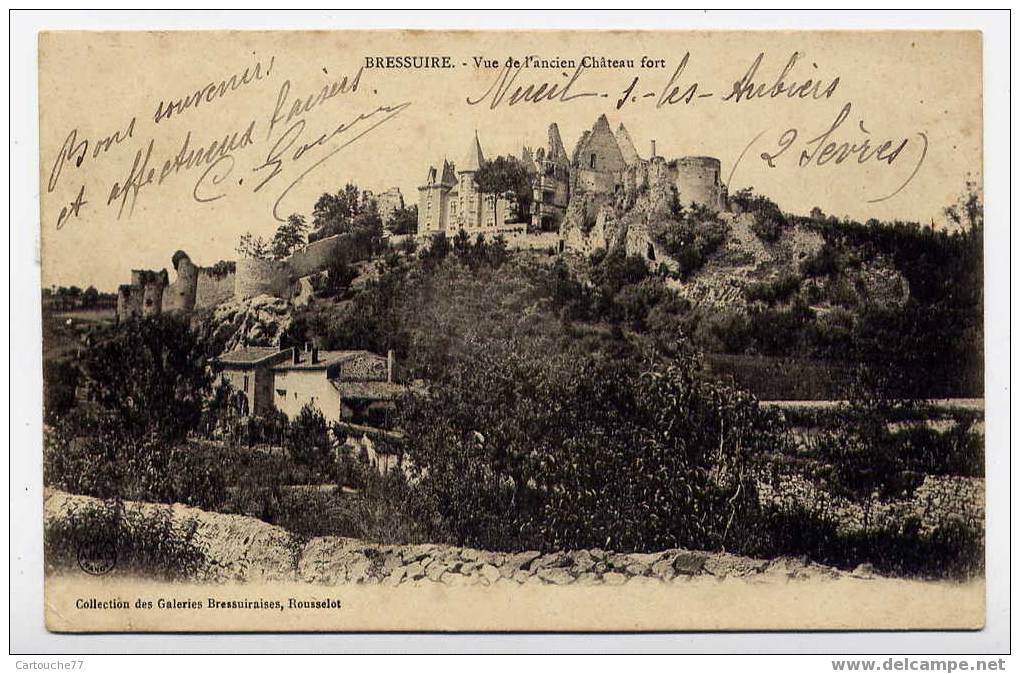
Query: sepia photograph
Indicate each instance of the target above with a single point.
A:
(470, 331)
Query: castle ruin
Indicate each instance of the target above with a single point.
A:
(603, 163)
(150, 292)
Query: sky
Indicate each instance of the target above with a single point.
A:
(278, 133)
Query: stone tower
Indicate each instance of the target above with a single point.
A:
(469, 207)
(627, 149)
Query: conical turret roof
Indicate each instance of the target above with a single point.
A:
(557, 153)
(474, 159)
(627, 149)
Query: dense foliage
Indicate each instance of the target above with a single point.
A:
(507, 177)
(769, 220)
(151, 375)
(148, 544)
(579, 450)
(689, 236)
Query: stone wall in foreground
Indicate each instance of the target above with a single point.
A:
(247, 549)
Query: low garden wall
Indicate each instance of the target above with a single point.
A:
(237, 548)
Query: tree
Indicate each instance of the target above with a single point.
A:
(151, 375)
(335, 213)
(404, 221)
(90, 297)
(339, 272)
(308, 440)
(289, 236)
(508, 178)
(968, 212)
(252, 246)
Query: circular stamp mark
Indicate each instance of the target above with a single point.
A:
(97, 558)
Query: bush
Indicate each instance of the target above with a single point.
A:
(776, 290)
(826, 262)
(690, 237)
(308, 441)
(379, 513)
(769, 221)
(572, 452)
(146, 544)
(103, 462)
(60, 380)
(951, 550)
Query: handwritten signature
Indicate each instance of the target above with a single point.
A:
(296, 151)
(365, 122)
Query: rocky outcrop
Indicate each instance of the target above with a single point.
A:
(258, 321)
(245, 549)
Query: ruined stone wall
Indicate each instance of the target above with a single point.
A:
(389, 201)
(152, 299)
(601, 182)
(262, 277)
(213, 289)
(315, 257)
(129, 302)
(599, 151)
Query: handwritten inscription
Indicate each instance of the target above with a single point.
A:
(300, 131)
(532, 92)
(213, 91)
(837, 145)
(747, 88)
(76, 151)
(292, 142)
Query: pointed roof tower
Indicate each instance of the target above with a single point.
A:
(630, 154)
(581, 143)
(449, 174)
(601, 125)
(598, 149)
(475, 158)
(557, 153)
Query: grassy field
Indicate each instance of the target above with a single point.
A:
(63, 330)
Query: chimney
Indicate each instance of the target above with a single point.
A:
(296, 354)
(389, 366)
(315, 355)
(653, 149)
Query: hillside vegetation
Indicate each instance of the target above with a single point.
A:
(565, 402)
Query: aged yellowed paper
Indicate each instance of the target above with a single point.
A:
(512, 331)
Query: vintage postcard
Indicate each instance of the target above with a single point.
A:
(512, 331)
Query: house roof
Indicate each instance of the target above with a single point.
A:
(368, 390)
(250, 355)
(327, 359)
